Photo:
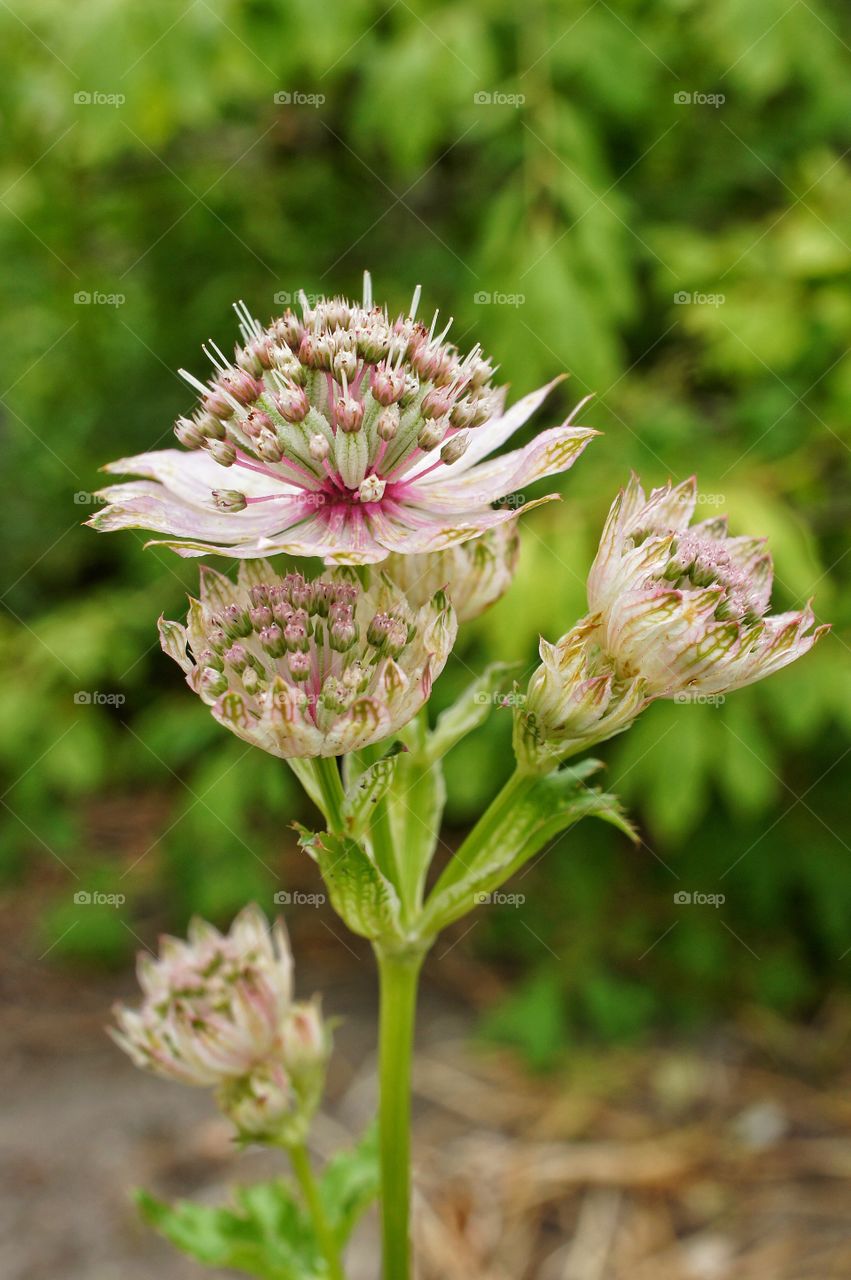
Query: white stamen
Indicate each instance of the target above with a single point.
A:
(415, 302)
(193, 382)
(367, 291)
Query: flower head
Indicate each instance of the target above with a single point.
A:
(475, 574)
(218, 1012)
(305, 667)
(340, 433)
(685, 606)
(575, 700)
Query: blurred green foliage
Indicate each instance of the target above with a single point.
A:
(588, 189)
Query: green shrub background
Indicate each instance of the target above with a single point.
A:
(598, 198)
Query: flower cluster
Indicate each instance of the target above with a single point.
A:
(343, 433)
(677, 610)
(306, 667)
(686, 607)
(218, 1012)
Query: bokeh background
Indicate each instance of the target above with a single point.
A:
(655, 197)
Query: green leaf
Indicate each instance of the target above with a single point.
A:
(350, 1183)
(519, 823)
(364, 794)
(415, 805)
(469, 711)
(266, 1234)
(360, 894)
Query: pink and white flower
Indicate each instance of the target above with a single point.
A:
(305, 668)
(677, 611)
(339, 433)
(683, 606)
(218, 1012)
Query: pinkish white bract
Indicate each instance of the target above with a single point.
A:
(339, 433)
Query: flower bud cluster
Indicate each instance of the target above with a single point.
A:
(218, 1012)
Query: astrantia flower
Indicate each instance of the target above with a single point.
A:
(684, 607)
(218, 1012)
(677, 611)
(575, 700)
(338, 433)
(475, 574)
(306, 667)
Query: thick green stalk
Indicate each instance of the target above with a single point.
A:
(324, 1235)
(330, 786)
(398, 978)
(490, 821)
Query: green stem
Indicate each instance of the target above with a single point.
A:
(330, 785)
(482, 832)
(398, 978)
(324, 1235)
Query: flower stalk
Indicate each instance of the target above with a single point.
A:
(300, 1161)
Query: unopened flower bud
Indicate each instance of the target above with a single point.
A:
(292, 404)
(349, 414)
(268, 448)
(213, 683)
(218, 405)
(318, 447)
(388, 422)
(431, 434)
(242, 386)
(299, 666)
(387, 384)
(455, 448)
(371, 489)
(189, 433)
(222, 451)
(229, 500)
(345, 363)
(437, 402)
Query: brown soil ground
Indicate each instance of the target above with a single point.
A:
(727, 1160)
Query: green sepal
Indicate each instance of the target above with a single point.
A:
(360, 893)
(530, 812)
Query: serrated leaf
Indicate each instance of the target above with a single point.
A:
(350, 1183)
(266, 1234)
(512, 832)
(469, 711)
(362, 897)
